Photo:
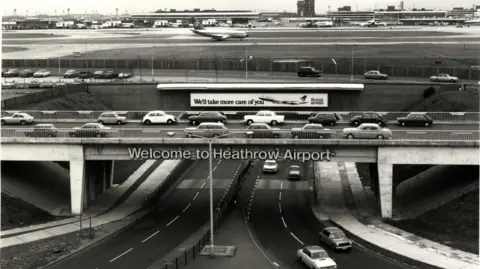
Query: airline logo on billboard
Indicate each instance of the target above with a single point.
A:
(258, 100)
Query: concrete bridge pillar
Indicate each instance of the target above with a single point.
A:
(77, 186)
(385, 189)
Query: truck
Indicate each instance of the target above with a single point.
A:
(264, 116)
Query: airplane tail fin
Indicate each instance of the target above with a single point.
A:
(303, 98)
(196, 24)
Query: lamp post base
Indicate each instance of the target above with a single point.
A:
(224, 251)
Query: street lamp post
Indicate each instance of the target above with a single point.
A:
(246, 62)
(153, 78)
(212, 249)
(353, 55)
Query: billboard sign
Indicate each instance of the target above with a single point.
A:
(259, 100)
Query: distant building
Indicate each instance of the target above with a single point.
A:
(309, 8)
(345, 8)
(352, 16)
(238, 16)
(401, 5)
(301, 8)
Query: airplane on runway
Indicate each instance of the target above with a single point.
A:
(372, 23)
(216, 34)
(275, 101)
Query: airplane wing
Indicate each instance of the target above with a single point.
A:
(220, 37)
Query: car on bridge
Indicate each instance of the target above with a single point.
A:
(207, 117)
(43, 130)
(368, 117)
(367, 131)
(262, 130)
(159, 117)
(264, 116)
(11, 73)
(308, 71)
(110, 75)
(41, 73)
(325, 118)
(315, 257)
(99, 74)
(312, 131)
(18, 118)
(207, 129)
(111, 118)
(270, 166)
(374, 74)
(415, 119)
(91, 130)
(34, 84)
(4, 70)
(443, 77)
(294, 173)
(85, 74)
(25, 73)
(71, 74)
(335, 239)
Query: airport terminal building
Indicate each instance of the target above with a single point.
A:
(237, 16)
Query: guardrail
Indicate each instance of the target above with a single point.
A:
(238, 115)
(172, 134)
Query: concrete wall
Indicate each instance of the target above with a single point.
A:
(437, 156)
(42, 152)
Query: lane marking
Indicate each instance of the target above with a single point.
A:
(203, 185)
(280, 208)
(145, 240)
(281, 185)
(276, 264)
(416, 133)
(280, 196)
(194, 197)
(172, 221)
(187, 207)
(284, 224)
(461, 133)
(214, 168)
(219, 161)
(112, 260)
(297, 238)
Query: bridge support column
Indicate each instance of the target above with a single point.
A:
(385, 188)
(77, 186)
(98, 175)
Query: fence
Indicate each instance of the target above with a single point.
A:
(343, 66)
(190, 250)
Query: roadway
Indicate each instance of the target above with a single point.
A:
(179, 214)
(282, 221)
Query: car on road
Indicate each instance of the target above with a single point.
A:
(91, 130)
(18, 118)
(415, 119)
(46, 84)
(315, 257)
(34, 84)
(374, 74)
(207, 129)
(71, 74)
(11, 73)
(264, 116)
(335, 239)
(111, 118)
(270, 166)
(262, 130)
(25, 73)
(207, 117)
(368, 117)
(110, 75)
(159, 117)
(312, 131)
(41, 73)
(325, 118)
(294, 173)
(43, 130)
(85, 74)
(4, 70)
(367, 131)
(99, 74)
(443, 77)
(124, 75)
(308, 71)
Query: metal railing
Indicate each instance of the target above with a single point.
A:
(238, 115)
(234, 134)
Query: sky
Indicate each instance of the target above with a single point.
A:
(140, 6)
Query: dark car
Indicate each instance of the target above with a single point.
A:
(207, 117)
(4, 71)
(312, 131)
(91, 130)
(34, 84)
(85, 74)
(325, 118)
(308, 71)
(335, 239)
(294, 173)
(71, 74)
(11, 73)
(262, 130)
(99, 74)
(111, 74)
(415, 119)
(25, 73)
(368, 117)
(43, 130)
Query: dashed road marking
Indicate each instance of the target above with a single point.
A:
(112, 260)
(214, 168)
(187, 207)
(145, 240)
(276, 264)
(194, 197)
(203, 185)
(284, 224)
(280, 208)
(172, 221)
(280, 196)
(281, 185)
(297, 238)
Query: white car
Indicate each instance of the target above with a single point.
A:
(41, 73)
(270, 166)
(315, 257)
(156, 117)
(18, 118)
(264, 116)
(442, 77)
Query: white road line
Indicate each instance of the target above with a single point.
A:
(416, 132)
(145, 240)
(214, 168)
(297, 238)
(461, 133)
(187, 207)
(203, 185)
(194, 197)
(276, 264)
(172, 221)
(280, 208)
(280, 196)
(112, 260)
(219, 161)
(284, 224)
(281, 185)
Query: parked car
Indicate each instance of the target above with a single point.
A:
(34, 84)
(415, 119)
(207, 117)
(155, 117)
(91, 130)
(443, 77)
(207, 129)
(43, 130)
(264, 116)
(111, 118)
(315, 257)
(294, 173)
(262, 130)
(99, 74)
(325, 118)
(71, 74)
(9, 85)
(308, 71)
(367, 131)
(41, 73)
(18, 118)
(368, 117)
(335, 239)
(311, 131)
(374, 74)
(85, 74)
(270, 166)
(110, 75)
(25, 73)
(11, 73)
